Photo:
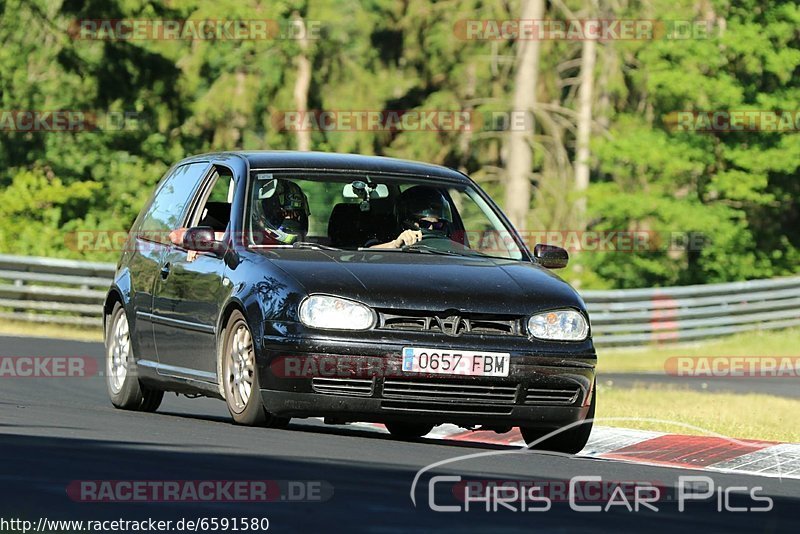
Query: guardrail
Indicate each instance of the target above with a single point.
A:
(70, 292)
(47, 290)
(687, 313)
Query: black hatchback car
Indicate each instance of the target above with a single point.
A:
(347, 287)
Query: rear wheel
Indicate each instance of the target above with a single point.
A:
(408, 430)
(124, 388)
(570, 441)
(240, 377)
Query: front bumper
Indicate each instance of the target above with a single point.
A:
(362, 380)
(347, 409)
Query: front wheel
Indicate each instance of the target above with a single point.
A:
(124, 388)
(570, 441)
(240, 377)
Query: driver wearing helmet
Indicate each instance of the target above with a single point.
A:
(423, 211)
(282, 211)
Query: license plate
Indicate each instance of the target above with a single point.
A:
(455, 362)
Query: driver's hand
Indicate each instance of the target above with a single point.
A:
(408, 238)
(176, 236)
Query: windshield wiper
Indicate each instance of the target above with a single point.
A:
(309, 244)
(426, 249)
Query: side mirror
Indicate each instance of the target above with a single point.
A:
(201, 239)
(551, 256)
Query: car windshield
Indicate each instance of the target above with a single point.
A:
(362, 212)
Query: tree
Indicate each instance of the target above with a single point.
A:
(303, 82)
(520, 158)
(584, 130)
(717, 206)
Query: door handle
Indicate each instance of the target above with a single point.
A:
(165, 271)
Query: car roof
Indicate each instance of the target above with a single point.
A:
(286, 159)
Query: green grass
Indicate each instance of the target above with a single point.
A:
(23, 329)
(651, 359)
(750, 416)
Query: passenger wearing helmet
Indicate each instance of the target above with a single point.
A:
(422, 210)
(282, 211)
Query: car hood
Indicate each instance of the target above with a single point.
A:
(412, 281)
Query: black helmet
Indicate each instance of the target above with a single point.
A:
(420, 201)
(285, 210)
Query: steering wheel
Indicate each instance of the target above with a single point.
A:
(445, 243)
(433, 234)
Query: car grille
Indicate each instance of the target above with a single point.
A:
(436, 396)
(552, 396)
(447, 396)
(449, 408)
(498, 325)
(448, 391)
(342, 386)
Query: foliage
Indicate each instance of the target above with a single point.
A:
(738, 190)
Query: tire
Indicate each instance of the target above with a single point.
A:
(408, 430)
(570, 441)
(240, 377)
(124, 388)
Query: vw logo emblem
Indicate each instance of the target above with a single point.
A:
(453, 325)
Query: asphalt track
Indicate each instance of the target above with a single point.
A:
(57, 430)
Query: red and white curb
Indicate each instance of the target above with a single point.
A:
(712, 453)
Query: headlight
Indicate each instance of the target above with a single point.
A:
(322, 311)
(561, 325)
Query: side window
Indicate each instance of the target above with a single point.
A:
(219, 193)
(169, 205)
(213, 208)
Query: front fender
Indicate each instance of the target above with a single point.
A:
(266, 295)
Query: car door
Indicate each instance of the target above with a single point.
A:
(189, 291)
(151, 242)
